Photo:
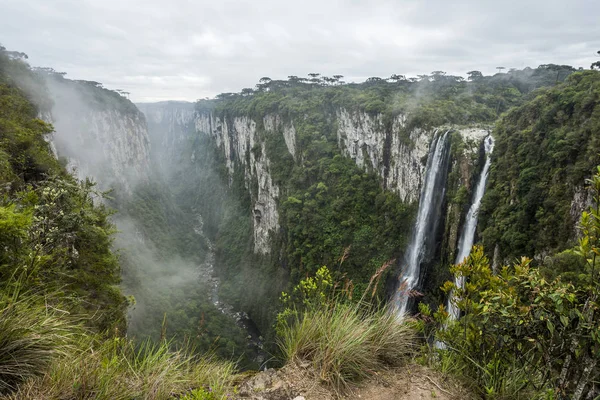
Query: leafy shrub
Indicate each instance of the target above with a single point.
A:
(520, 331)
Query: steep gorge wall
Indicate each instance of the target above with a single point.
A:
(240, 143)
(397, 157)
(102, 135)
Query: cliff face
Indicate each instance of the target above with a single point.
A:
(240, 143)
(101, 135)
(397, 156)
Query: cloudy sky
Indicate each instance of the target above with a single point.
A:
(190, 49)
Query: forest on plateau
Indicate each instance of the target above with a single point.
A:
(171, 250)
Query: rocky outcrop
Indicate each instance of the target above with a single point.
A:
(396, 156)
(273, 124)
(106, 145)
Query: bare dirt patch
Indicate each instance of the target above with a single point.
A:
(294, 382)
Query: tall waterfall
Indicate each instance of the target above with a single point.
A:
(428, 216)
(468, 234)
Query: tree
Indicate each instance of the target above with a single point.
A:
(397, 78)
(500, 69)
(474, 75)
(247, 92)
(293, 79)
(314, 78)
(596, 64)
(329, 80)
(374, 79)
(438, 75)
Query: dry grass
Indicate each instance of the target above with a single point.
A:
(346, 343)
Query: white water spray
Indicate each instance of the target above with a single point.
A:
(433, 190)
(468, 234)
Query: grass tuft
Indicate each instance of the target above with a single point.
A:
(116, 370)
(31, 335)
(346, 343)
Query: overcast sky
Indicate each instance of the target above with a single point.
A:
(190, 49)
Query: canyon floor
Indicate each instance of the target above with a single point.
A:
(410, 382)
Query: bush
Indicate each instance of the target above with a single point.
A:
(346, 343)
(521, 332)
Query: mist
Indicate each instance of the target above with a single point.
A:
(164, 243)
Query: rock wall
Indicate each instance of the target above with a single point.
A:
(241, 145)
(396, 155)
(102, 135)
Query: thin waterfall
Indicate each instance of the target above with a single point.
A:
(432, 195)
(467, 236)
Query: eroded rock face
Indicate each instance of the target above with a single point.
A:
(274, 124)
(110, 146)
(101, 134)
(241, 145)
(583, 198)
(395, 156)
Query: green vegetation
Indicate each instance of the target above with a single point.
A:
(544, 151)
(61, 311)
(344, 342)
(525, 332)
(429, 100)
(522, 335)
(30, 335)
(54, 237)
(329, 208)
(115, 369)
(163, 270)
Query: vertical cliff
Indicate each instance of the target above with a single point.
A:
(394, 154)
(100, 133)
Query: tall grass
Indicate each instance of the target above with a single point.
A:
(115, 369)
(346, 342)
(31, 335)
(47, 354)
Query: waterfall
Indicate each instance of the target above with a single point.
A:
(432, 195)
(468, 234)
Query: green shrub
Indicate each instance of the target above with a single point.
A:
(522, 334)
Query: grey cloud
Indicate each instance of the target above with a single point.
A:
(184, 49)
